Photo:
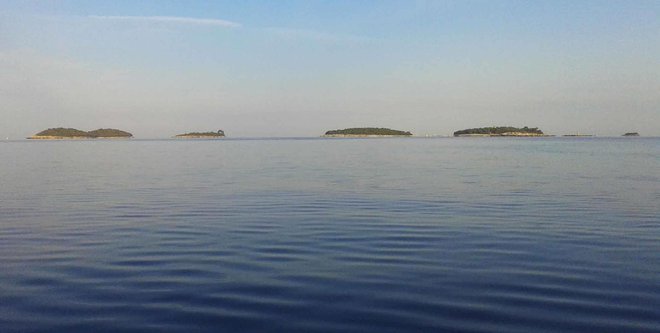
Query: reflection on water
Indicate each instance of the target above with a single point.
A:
(319, 235)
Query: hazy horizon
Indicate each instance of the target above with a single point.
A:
(300, 68)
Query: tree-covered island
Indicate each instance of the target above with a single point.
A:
(72, 133)
(109, 133)
(500, 131)
(202, 135)
(631, 134)
(366, 132)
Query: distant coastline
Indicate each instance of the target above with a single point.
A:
(61, 133)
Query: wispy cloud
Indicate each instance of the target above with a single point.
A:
(170, 19)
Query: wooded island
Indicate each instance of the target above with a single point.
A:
(366, 132)
(202, 135)
(500, 131)
(72, 133)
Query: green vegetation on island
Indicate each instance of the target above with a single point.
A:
(631, 134)
(197, 135)
(63, 133)
(109, 133)
(72, 133)
(366, 131)
(500, 131)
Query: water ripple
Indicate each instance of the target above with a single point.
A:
(330, 236)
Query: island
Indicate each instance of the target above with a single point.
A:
(61, 133)
(366, 132)
(501, 131)
(72, 133)
(109, 133)
(631, 134)
(202, 135)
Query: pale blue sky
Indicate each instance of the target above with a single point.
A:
(298, 68)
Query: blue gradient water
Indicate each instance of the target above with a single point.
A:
(318, 235)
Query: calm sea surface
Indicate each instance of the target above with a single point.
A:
(331, 235)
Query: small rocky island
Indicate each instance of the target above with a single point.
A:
(501, 131)
(631, 134)
(72, 133)
(202, 135)
(365, 132)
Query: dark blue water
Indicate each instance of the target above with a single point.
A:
(316, 235)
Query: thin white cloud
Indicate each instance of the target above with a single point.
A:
(170, 19)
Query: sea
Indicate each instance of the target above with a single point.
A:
(330, 235)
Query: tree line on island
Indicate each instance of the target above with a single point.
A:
(508, 131)
(367, 131)
(199, 135)
(495, 131)
(73, 133)
(500, 131)
(66, 133)
(483, 131)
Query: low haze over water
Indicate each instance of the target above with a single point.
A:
(331, 235)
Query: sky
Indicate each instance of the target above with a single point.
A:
(299, 68)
